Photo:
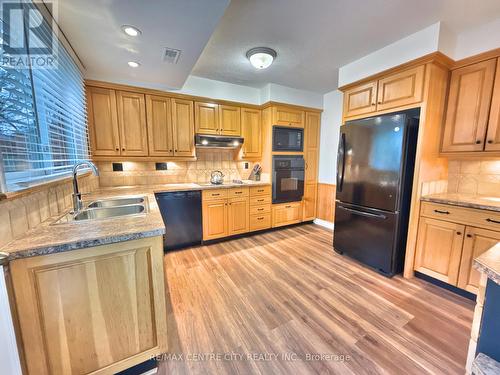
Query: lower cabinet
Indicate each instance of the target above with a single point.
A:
(446, 248)
(238, 216)
(215, 220)
(309, 202)
(98, 310)
(286, 214)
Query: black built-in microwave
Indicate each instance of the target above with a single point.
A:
(288, 139)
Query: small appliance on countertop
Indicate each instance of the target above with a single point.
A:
(217, 178)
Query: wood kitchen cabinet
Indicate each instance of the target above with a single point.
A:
(288, 116)
(401, 88)
(311, 156)
(183, 128)
(215, 219)
(493, 134)
(103, 121)
(206, 118)
(251, 131)
(260, 207)
(238, 215)
(468, 107)
(97, 310)
(230, 120)
(476, 242)
(309, 201)
(361, 99)
(132, 123)
(439, 249)
(159, 120)
(286, 214)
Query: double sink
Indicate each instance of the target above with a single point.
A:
(107, 209)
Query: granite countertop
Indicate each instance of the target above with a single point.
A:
(465, 200)
(489, 263)
(48, 238)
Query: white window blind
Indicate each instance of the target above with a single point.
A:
(43, 125)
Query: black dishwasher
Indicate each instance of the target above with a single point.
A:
(181, 213)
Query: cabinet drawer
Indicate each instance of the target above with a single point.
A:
(260, 190)
(239, 192)
(262, 209)
(287, 213)
(462, 215)
(264, 199)
(259, 222)
(214, 194)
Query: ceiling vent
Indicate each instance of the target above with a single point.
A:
(171, 55)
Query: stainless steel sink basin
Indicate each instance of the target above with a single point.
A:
(108, 212)
(116, 202)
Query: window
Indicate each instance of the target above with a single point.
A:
(43, 125)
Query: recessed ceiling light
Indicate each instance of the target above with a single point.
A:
(261, 57)
(133, 64)
(131, 30)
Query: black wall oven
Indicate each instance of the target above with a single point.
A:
(288, 139)
(288, 178)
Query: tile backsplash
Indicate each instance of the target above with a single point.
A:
(145, 173)
(475, 176)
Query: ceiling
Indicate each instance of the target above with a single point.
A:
(313, 38)
(93, 28)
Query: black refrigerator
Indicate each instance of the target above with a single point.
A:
(375, 163)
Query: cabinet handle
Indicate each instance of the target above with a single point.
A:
(260, 191)
(238, 192)
(123, 149)
(260, 209)
(230, 203)
(288, 206)
(260, 218)
(469, 235)
(490, 141)
(492, 221)
(459, 233)
(379, 102)
(442, 212)
(260, 200)
(478, 142)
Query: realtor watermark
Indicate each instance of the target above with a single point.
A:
(253, 356)
(29, 35)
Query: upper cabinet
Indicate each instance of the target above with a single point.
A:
(288, 116)
(159, 122)
(392, 91)
(183, 127)
(132, 123)
(493, 135)
(103, 122)
(206, 118)
(230, 122)
(251, 130)
(469, 102)
(311, 146)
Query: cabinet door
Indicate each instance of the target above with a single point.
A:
(286, 214)
(468, 107)
(206, 118)
(103, 122)
(230, 120)
(309, 201)
(132, 123)
(439, 249)
(400, 89)
(215, 223)
(251, 130)
(238, 216)
(493, 136)
(183, 127)
(288, 116)
(311, 146)
(98, 310)
(159, 121)
(476, 242)
(360, 100)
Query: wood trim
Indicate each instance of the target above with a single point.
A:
(434, 57)
(494, 53)
(143, 90)
(119, 159)
(325, 203)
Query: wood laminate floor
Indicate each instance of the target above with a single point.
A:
(283, 302)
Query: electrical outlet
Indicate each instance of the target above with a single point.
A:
(117, 167)
(246, 165)
(161, 166)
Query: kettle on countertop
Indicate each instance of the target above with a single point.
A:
(216, 178)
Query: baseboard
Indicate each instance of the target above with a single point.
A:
(324, 223)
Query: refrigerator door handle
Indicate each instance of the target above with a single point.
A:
(363, 213)
(341, 162)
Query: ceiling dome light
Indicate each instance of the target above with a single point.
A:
(131, 30)
(261, 57)
(133, 64)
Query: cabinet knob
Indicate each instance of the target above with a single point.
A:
(469, 235)
(123, 149)
(490, 141)
(175, 150)
(169, 150)
(379, 102)
(459, 233)
(118, 149)
(478, 142)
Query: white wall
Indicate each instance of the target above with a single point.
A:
(284, 94)
(480, 39)
(331, 120)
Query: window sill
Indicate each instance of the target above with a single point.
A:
(39, 187)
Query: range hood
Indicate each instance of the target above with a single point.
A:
(217, 141)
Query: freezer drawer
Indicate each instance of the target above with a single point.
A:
(367, 235)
